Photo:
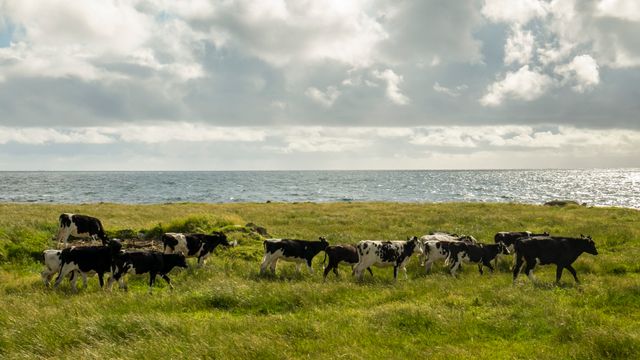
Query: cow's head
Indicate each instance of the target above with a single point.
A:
(180, 260)
(323, 243)
(114, 245)
(590, 245)
(503, 249)
(417, 245)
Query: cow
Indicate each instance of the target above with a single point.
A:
(435, 246)
(481, 254)
(52, 267)
(88, 259)
(385, 253)
(338, 254)
(510, 237)
(142, 262)
(543, 250)
(298, 251)
(80, 226)
(194, 245)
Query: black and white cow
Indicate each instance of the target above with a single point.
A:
(87, 260)
(481, 254)
(298, 251)
(385, 253)
(52, 267)
(80, 226)
(510, 237)
(338, 254)
(142, 262)
(544, 250)
(436, 247)
(194, 245)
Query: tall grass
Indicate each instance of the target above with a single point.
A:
(226, 310)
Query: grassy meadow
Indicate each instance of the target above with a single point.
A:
(227, 310)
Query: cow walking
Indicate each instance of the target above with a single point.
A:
(298, 251)
(385, 253)
(481, 254)
(543, 250)
(142, 262)
(88, 259)
(194, 245)
(338, 254)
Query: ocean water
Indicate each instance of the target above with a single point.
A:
(598, 187)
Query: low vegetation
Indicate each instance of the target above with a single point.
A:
(226, 310)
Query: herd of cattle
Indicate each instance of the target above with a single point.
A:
(452, 249)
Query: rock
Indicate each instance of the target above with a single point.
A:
(561, 203)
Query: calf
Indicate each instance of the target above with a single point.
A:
(299, 251)
(52, 267)
(545, 250)
(80, 226)
(339, 253)
(481, 254)
(88, 259)
(385, 253)
(194, 245)
(436, 247)
(142, 262)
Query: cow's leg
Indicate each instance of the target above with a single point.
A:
(370, 272)
(309, 266)
(573, 272)
(427, 266)
(480, 268)
(200, 261)
(328, 269)
(516, 268)
(395, 273)
(72, 280)
(46, 275)
(357, 270)
(528, 270)
(454, 267)
(404, 268)
(63, 236)
(152, 281)
(166, 278)
(101, 279)
(488, 264)
(84, 279)
(265, 263)
(61, 274)
(274, 262)
(559, 269)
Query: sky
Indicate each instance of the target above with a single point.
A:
(278, 84)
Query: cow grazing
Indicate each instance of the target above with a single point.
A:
(52, 267)
(142, 262)
(510, 237)
(545, 250)
(481, 254)
(194, 245)
(298, 251)
(385, 253)
(88, 259)
(338, 254)
(80, 226)
(436, 247)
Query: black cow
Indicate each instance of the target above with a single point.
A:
(299, 251)
(338, 254)
(142, 262)
(481, 254)
(80, 226)
(544, 250)
(194, 245)
(88, 259)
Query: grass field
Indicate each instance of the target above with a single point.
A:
(226, 310)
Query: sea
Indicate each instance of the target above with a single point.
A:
(595, 187)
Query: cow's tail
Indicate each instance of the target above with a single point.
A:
(323, 260)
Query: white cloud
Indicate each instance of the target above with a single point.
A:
(583, 71)
(519, 46)
(393, 90)
(523, 84)
(622, 9)
(514, 11)
(326, 98)
(453, 92)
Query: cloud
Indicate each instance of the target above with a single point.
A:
(393, 81)
(523, 84)
(453, 92)
(583, 71)
(519, 47)
(621, 9)
(326, 98)
(514, 11)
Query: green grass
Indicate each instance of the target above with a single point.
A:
(226, 310)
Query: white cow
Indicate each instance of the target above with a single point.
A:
(52, 267)
(80, 226)
(385, 253)
(436, 247)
